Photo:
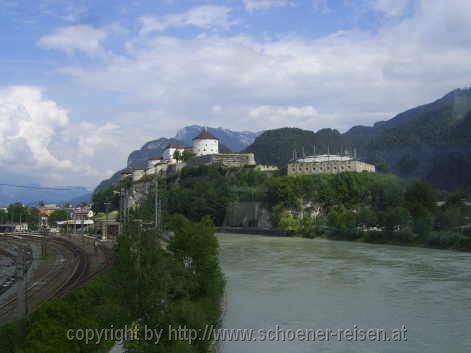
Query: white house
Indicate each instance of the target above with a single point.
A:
(21, 227)
(205, 143)
(169, 152)
(152, 162)
(159, 168)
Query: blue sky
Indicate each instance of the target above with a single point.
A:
(82, 83)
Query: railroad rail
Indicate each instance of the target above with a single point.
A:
(72, 256)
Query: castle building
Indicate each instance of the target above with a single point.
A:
(328, 164)
(228, 160)
(169, 152)
(205, 143)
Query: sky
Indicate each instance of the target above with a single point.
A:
(85, 82)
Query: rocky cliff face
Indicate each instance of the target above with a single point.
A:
(248, 215)
(138, 158)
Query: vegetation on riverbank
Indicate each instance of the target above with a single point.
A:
(146, 286)
(380, 208)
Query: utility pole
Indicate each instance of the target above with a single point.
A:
(105, 229)
(121, 206)
(158, 206)
(126, 205)
(44, 240)
(21, 299)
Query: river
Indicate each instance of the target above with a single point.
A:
(312, 285)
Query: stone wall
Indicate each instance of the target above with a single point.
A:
(230, 160)
(248, 214)
(329, 167)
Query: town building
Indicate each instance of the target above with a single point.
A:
(328, 164)
(205, 144)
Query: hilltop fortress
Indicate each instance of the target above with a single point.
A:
(205, 151)
(328, 164)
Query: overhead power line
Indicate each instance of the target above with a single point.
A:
(40, 187)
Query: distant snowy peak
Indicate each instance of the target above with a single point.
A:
(235, 140)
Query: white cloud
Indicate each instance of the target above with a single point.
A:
(206, 17)
(259, 5)
(28, 125)
(349, 75)
(391, 8)
(37, 137)
(253, 83)
(93, 138)
(281, 116)
(84, 38)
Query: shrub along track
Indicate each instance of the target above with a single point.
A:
(69, 269)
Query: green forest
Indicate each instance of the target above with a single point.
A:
(370, 207)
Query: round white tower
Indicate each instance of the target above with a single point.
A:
(205, 143)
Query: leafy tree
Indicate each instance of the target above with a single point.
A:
(342, 222)
(367, 217)
(58, 216)
(423, 223)
(101, 197)
(33, 218)
(178, 156)
(287, 222)
(187, 155)
(420, 197)
(396, 218)
(3, 216)
(17, 212)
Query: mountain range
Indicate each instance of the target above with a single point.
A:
(431, 141)
(230, 140)
(31, 194)
(234, 141)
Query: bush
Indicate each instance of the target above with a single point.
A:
(447, 240)
(373, 237)
(404, 236)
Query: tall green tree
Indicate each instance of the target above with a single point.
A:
(58, 216)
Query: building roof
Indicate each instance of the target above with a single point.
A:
(205, 135)
(324, 158)
(156, 158)
(175, 145)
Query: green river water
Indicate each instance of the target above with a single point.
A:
(288, 284)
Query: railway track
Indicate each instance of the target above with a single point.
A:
(12, 246)
(54, 283)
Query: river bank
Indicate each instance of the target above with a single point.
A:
(435, 240)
